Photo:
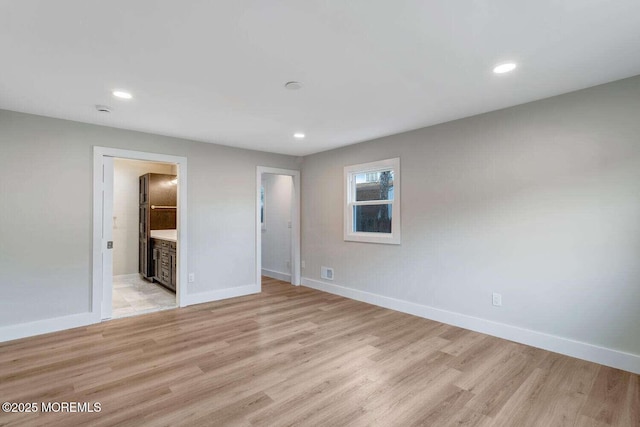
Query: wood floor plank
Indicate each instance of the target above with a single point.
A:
(460, 342)
(608, 392)
(296, 356)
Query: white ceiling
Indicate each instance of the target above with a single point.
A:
(214, 71)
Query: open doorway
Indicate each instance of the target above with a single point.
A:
(278, 224)
(144, 237)
(276, 199)
(106, 228)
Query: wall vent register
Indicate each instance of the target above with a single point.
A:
(326, 273)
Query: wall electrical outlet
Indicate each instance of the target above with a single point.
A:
(303, 264)
(192, 277)
(497, 299)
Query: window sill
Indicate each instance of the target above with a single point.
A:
(373, 238)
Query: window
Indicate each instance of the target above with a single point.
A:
(372, 202)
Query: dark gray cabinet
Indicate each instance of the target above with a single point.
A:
(158, 199)
(143, 244)
(164, 262)
(144, 189)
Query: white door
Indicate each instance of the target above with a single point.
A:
(107, 236)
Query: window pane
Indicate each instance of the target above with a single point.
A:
(374, 186)
(372, 218)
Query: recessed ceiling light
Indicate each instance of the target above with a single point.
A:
(298, 135)
(122, 94)
(504, 68)
(293, 85)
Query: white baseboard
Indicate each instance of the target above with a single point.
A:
(202, 297)
(276, 275)
(38, 327)
(23, 330)
(581, 350)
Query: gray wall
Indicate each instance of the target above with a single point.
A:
(276, 237)
(539, 202)
(46, 212)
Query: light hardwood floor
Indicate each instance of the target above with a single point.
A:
(300, 357)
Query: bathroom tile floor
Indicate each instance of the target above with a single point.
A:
(132, 295)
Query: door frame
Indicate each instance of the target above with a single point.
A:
(106, 305)
(295, 223)
(97, 288)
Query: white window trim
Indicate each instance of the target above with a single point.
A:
(393, 238)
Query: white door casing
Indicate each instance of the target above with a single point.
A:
(107, 236)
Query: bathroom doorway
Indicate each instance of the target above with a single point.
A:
(144, 237)
(160, 252)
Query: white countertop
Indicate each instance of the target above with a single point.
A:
(171, 235)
